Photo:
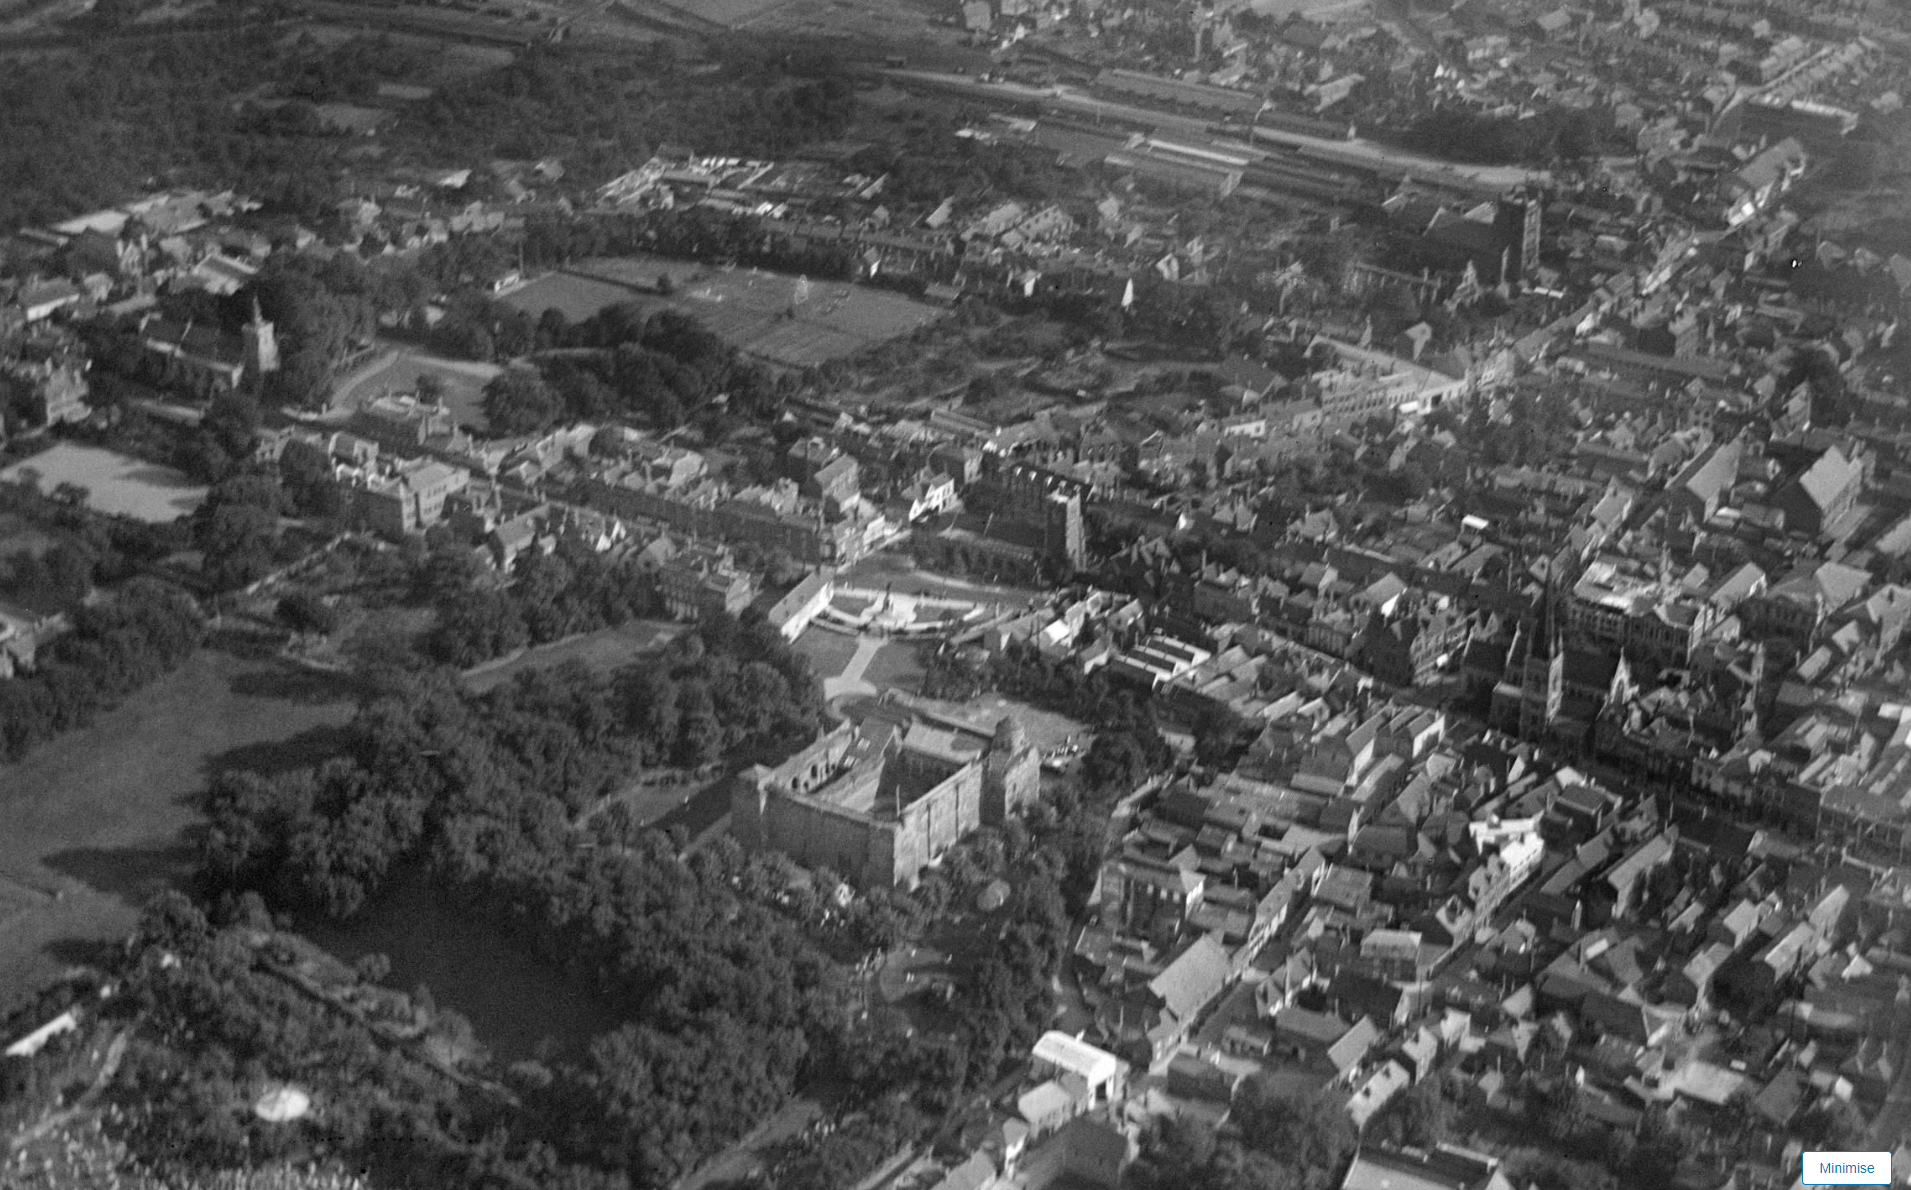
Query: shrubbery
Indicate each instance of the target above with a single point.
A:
(115, 647)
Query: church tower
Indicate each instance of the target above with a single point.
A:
(1542, 670)
(261, 345)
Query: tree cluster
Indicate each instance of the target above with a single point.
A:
(223, 441)
(692, 233)
(213, 1025)
(319, 308)
(554, 595)
(599, 113)
(925, 162)
(425, 758)
(620, 363)
(1049, 861)
(1194, 319)
(52, 580)
(1128, 747)
(1275, 1141)
(237, 528)
(724, 992)
(1553, 136)
(116, 646)
(91, 125)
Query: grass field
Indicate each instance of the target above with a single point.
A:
(463, 380)
(755, 311)
(897, 665)
(116, 484)
(828, 651)
(99, 819)
(579, 297)
(602, 651)
(898, 572)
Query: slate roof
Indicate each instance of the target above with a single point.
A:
(1825, 479)
(1192, 981)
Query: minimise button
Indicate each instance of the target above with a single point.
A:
(1847, 1169)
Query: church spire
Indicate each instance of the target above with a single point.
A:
(1546, 620)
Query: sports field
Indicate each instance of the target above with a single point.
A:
(117, 484)
(781, 318)
(99, 819)
(577, 297)
(773, 316)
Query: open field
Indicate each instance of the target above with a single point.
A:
(603, 651)
(578, 297)
(116, 484)
(99, 819)
(398, 372)
(757, 312)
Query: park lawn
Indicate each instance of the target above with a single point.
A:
(603, 651)
(897, 666)
(829, 652)
(889, 570)
(99, 819)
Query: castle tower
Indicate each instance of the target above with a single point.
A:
(261, 345)
(1012, 774)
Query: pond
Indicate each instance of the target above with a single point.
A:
(519, 1006)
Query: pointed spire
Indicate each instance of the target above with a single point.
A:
(1545, 631)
